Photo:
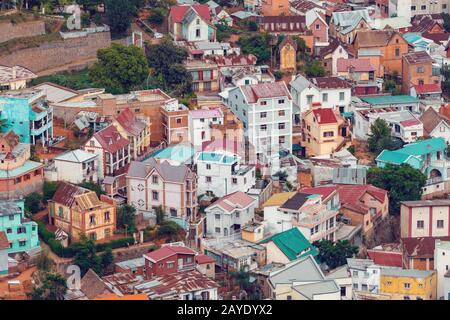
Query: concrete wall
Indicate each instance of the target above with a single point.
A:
(58, 53)
(18, 30)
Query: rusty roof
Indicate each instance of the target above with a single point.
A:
(66, 192)
(130, 123)
(258, 91)
(418, 57)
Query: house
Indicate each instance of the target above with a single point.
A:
(4, 246)
(288, 55)
(361, 73)
(287, 246)
(79, 211)
(151, 184)
(418, 70)
(235, 76)
(408, 284)
(253, 231)
(15, 77)
(133, 266)
(427, 91)
(136, 129)
(218, 14)
(21, 232)
(345, 24)
(435, 124)
(330, 54)
(404, 124)
(200, 122)
(265, 110)
(28, 114)
(205, 75)
(191, 23)
(169, 259)
(343, 279)
(76, 166)
(419, 253)
(426, 218)
(400, 102)
(274, 7)
(425, 23)
(221, 173)
(328, 92)
(206, 265)
(323, 131)
(316, 23)
(364, 205)
(312, 214)
(302, 280)
(175, 122)
(442, 266)
(388, 45)
(227, 215)
(262, 275)
(233, 255)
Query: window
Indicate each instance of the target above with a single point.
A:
(217, 216)
(263, 127)
(309, 99)
(208, 166)
(197, 33)
(355, 273)
(389, 283)
(355, 286)
(325, 97)
(413, 8)
(263, 103)
(341, 96)
(423, 7)
(208, 179)
(22, 243)
(155, 179)
(21, 230)
(420, 69)
(364, 287)
(170, 265)
(289, 297)
(444, 6)
(263, 115)
(328, 134)
(281, 113)
(282, 139)
(11, 217)
(217, 230)
(281, 126)
(420, 285)
(107, 218)
(92, 219)
(280, 101)
(155, 195)
(407, 285)
(237, 215)
(440, 224)
(9, 230)
(397, 52)
(420, 224)
(234, 181)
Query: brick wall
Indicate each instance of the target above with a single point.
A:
(58, 53)
(23, 29)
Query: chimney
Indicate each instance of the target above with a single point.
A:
(318, 118)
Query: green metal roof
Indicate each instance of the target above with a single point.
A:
(423, 147)
(389, 99)
(292, 243)
(392, 157)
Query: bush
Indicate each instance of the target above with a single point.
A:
(33, 202)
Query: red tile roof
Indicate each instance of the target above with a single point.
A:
(325, 115)
(232, 200)
(428, 88)
(203, 258)
(420, 247)
(330, 83)
(168, 251)
(325, 191)
(418, 57)
(110, 139)
(265, 91)
(130, 123)
(177, 12)
(357, 65)
(410, 122)
(235, 60)
(386, 258)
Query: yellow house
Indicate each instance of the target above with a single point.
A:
(253, 232)
(78, 211)
(288, 55)
(321, 131)
(136, 131)
(408, 284)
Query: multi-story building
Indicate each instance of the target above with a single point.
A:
(151, 184)
(28, 114)
(324, 131)
(265, 110)
(76, 166)
(221, 173)
(361, 74)
(330, 54)
(345, 24)
(18, 175)
(365, 275)
(22, 233)
(169, 259)
(136, 129)
(227, 215)
(427, 218)
(329, 92)
(205, 75)
(418, 70)
(78, 211)
(201, 122)
(175, 122)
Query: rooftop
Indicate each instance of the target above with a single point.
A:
(389, 100)
(278, 199)
(177, 152)
(16, 73)
(232, 201)
(417, 57)
(258, 91)
(410, 273)
(77, 156)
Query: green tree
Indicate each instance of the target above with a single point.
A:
(89, 5)
(157, 16)
(335, 254)
(179, 79)
(159, 214)
(119, 68)
(93, 186)
(126, 215)
(33, 202)
(49, 190)
(258, 44)
(86, 256)
(169, 229)
(314, 69)
(446, 18)
(106, 260)
(380, 137)
(44, 263)
(403, 182)
(119, 14)
(53, 287)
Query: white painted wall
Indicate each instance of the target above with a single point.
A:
(441, 265)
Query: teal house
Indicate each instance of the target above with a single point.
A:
(22, 233)
(427, 156)
(27, 113)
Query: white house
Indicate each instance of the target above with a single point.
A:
(220, 173)
(265, 110)
(442, 266)
(329, 92)
(403, 123)
(196, 28)
(435, 124)
(200, 122)
(344, 280)
(365, 275)
(76, 166)
(229, 214)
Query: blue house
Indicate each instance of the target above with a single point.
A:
(27, 113)
(427, 156)
(22, 233)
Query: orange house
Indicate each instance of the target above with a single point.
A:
(275, 8)
(388, 45)
(418, 70)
